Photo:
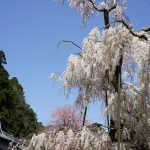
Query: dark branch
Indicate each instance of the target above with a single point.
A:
(66, 41)
(113, 7)
(133, 33)
(100, 125)
(130, 29)
(95, 7)
(146, 29)
(101, 10)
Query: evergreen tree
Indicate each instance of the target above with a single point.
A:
(17, 116)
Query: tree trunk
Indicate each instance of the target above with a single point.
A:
(118, 111)
(106, 19)
(84, 117)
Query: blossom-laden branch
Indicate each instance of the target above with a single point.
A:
(88, 7)
(61, 138)
(99, 125)
(142, 36)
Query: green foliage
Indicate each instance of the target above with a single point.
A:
(17, 116)
(2, 58)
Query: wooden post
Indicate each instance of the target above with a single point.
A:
(106, 106)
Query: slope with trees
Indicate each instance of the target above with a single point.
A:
(17, 116)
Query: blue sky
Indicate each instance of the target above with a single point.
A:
(29, 33)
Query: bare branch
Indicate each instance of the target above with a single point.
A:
(68, 41)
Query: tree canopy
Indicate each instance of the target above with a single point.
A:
(68, 115)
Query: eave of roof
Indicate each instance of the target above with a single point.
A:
(5, 137)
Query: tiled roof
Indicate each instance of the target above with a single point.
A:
(4, 137)
(8, 137)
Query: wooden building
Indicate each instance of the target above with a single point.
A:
(4, 142)
(7, 141)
